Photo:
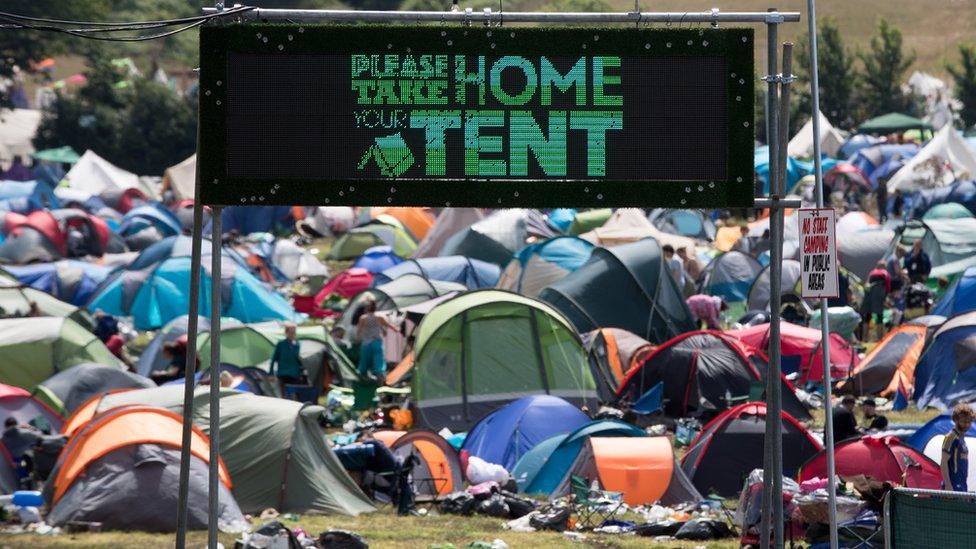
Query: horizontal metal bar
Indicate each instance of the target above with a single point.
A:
(489, 16)
(781, 203)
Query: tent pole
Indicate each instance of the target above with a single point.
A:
(191, 357)
(824, 320)
(216, 246)
(775, 270)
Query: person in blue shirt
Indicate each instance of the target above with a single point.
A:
(286, 363)
(955, 454)
(917, 264)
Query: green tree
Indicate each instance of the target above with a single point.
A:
(964, 76)
(838, 75)
(885, 64)
(136, 124)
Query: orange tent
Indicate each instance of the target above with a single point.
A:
(84, 413)
(727, 237)
(122, 427)
(889, 364)
(416, 220)
(388, 437)
(437, 470)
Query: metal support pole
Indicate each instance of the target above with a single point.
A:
(216, 245)
(776, 260)
(824, 320)
(191, 362)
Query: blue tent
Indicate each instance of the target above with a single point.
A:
(143, 226)
(730, 275)
(928, 440)
(256, 219)
(872, 158)
(538, 265)
(69, 280)
(159, 293)
(473, 273)
(178, 246)
(508, 433)
(541, 470)
(946, 373)
(960, 297)
(378, 259)
(25, 197)
(795, 169)
(963, 192)
(855, 143)
(561, 218)
(49, 173)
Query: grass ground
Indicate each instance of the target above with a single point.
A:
(382, 530)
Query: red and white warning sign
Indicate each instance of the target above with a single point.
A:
(818, 253)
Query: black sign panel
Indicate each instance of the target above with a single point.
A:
(489, 117)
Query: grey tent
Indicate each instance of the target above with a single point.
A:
(950, 243)
(274, 449)
(409, 289)
(759, 293)
(69, 389)
(448, 223)
(496, 238)
(122, 470)
(730, 275)
(860, 251)
(627, 286)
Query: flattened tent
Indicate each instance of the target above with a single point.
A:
(472, 273)
(35, 348)
(540, 264)
(704, 373)
(505, 435)
(644, 300)
(643, 469)
(945, 373)
(274, 450)
(928, 440)
(123, 468)
(483, 349)
(885, 459)
(448, 223)
(66, 391)
(731, 446)
(889, 365)
(612, 354)
(437, 469)
(730, 275)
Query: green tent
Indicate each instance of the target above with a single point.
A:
(949, 242)
(585, 222)
(480, 350)
(355, 242)
(628, 287)
(947, 210)
(15, 301)
(35, 348)
(274, 449)
(893, 123)
(65, 155)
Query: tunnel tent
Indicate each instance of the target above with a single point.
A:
(66, 391)
(482, 349)
(542, 263)
(612, 353)
(643, 469)
(274, 449)
(437, 470)
(472, 273)
(889, 365)
(730, 275)
(645, 299)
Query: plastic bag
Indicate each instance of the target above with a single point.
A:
(341, 539)
(551, 518)
(703, 529)
(665, 528)
(480, 471)
(518, 506)
(458, 503)
(494, 506)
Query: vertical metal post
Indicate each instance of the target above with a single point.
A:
(824, 320)
(216, 244)
(776, 253)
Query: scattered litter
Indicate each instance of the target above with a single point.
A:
(574, 536)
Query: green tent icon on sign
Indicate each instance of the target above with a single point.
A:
(391, 153)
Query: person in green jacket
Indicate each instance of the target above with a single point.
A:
(286, 362)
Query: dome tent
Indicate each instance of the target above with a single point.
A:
(802, 350)
(627, 286)
(540, 264)
(274, 449)
(960, 297)
(105, 472)
(760, 293)
(890, 364)
(690, 223)
(928, 440)
(406, 290)
(16, 301)
(69, 280)
(436, 460)
(730, 275)
(505, 435)
(945, 374)
(483, 349)
(377, 259)
(612, 353)
(359, 239)
(495, 238)
(448, 223)
(65, 391)
(20, 405)
(885, 459)
(473, 273)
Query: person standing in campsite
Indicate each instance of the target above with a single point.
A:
(370, 330)
(955, 454)
(677, 268)
(896, 270)
(917, 264)
(286, 363)
(692, 268)
(845, 424)
(881, 195)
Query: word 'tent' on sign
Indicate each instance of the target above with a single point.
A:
(818, 253)
(448, 116)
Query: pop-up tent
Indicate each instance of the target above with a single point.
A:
(540, 264)
(482, 349)
(642, 469)
(497, 237)
(122, 470)
(929, 437)
(20, 405)
(730, 275)
(472, 273)
(35, 348)
(66, 391)
(704, 373)
(437, 468)
(960, 297)
(731, 446)
(359, 239)
(505, 435)
(946, 374)
(628, 286)
(889, 365)
(885, 459)
(448, 223)
(612, 354)
(802, 351)
(274, 449)
(691, 223)
(69, 280)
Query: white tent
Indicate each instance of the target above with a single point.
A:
(801, 146)
(940, 105)
(95, 175)
(630, 225)
(181, 179)
(17, 130)
(946, 158)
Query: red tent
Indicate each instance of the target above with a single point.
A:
(803, 345)
(347, 284)
(881, 458)
(43, 222)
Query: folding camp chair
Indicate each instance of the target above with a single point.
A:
(593, 507)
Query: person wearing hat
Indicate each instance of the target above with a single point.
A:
(845, 426)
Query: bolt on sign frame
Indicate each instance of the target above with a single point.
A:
(297, 109)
